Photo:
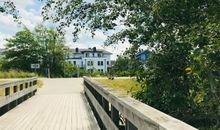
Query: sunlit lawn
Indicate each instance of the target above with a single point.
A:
(127, 86)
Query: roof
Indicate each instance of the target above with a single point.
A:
(90, 50)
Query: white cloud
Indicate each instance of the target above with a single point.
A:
(31, 19)
(8, 21)
(28, 18)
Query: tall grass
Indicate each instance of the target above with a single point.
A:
(16, 74)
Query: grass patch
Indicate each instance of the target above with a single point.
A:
(128, 86)
(16, 74)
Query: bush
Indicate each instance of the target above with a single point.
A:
(71, 70)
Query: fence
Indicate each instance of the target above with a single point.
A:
(115, 111)
(15, 92)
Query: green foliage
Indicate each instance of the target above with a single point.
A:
(83, 72)
(8, 7)
(21, 51)
(71, 70)
(125, 66)
(16, 74)
(43, 46)
(183, 33)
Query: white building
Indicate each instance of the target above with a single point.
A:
(91, 59)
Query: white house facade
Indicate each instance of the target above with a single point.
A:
(91, 59)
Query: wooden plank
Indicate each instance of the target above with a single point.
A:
(59, 104)
(139, 114)
(103, 115)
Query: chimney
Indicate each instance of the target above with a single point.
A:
(77, 50)
(94, 48)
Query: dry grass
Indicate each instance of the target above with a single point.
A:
(127, 86)
(16, 74)
(40, 83)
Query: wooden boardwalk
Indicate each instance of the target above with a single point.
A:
(59, 105)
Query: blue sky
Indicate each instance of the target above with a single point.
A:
(30, 11)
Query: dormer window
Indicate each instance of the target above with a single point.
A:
(99, 54)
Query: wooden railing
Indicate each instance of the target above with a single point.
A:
(115, 111)
(15, 92)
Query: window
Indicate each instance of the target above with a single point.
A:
(87, 54)
(74, 62)
(107, 62)
(90, 63)
(102, 70)
(93, 55)
(100, 63)
(99, 55)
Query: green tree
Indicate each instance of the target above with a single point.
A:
(43, 46)
(126, 66)
(57, 53)
(182, 33)
(21, 51)
(53, 50)
(121, 67)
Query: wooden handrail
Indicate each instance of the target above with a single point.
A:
(15, 92)
(111, 107)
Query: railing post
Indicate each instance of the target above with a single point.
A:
(115, 115)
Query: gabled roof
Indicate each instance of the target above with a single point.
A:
(90, 50)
